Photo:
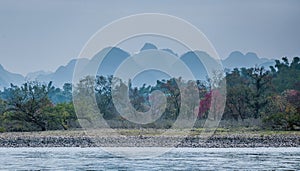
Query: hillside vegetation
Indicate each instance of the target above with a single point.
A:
(255, 97)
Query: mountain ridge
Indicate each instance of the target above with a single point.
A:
(114, 56)
(6, 78)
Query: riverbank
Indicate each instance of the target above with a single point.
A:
(151, 138)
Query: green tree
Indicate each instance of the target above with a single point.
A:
(2, 109)
(27, 104)
(238, 95)
(58, 95)
(61, 116)
(171, 90)
(103, 92)
(260, 79)
(85, 103)
(286, 74)
(283, 111)
(67, 92)
(190, 104)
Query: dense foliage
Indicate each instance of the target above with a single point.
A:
(33, 106)
(269, 95)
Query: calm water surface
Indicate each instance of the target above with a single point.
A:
(176, 159)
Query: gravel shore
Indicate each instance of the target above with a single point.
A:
(80, 139)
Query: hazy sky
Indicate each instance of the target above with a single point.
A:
(44, 34)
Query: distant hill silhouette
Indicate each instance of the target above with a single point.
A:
(63, 74)
(33, 75)
(112, 60)
(6, 78)
(196, 66)
(113, 57)
(148, 46)
(237, 60)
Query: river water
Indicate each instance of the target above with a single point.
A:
(176, 159)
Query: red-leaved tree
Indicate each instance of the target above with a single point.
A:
(213, 101)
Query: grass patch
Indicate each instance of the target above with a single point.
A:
(153, 132)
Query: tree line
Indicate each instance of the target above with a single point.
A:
(270, 95)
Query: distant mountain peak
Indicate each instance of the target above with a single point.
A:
(170, 51)
(252, 55)
(236, 53)
(237, 59)
(6, 78)
(148, 46)
(112, 57)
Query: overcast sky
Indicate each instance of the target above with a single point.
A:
(42, 35)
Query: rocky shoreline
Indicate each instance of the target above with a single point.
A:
(82, 140)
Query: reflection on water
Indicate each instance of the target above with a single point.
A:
(176, 159)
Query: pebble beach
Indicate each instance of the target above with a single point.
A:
(108, 139)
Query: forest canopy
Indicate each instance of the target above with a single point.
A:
(269, 95)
